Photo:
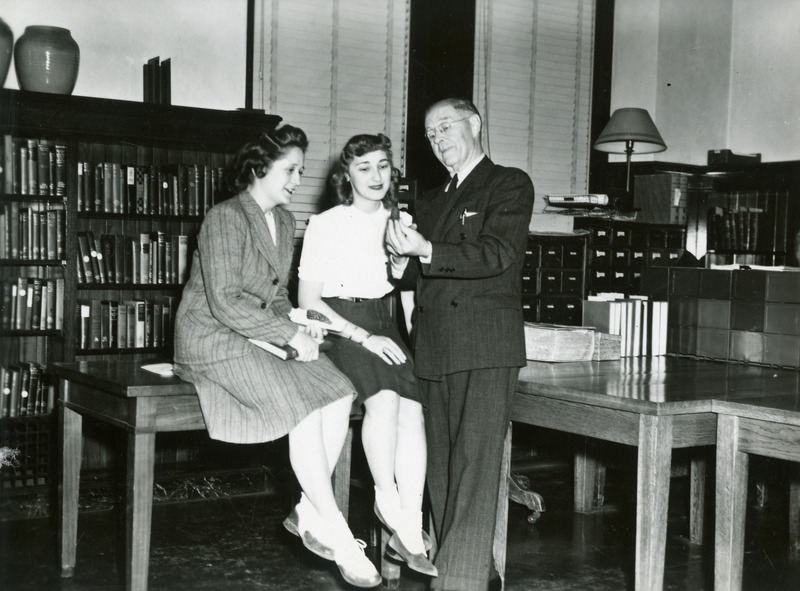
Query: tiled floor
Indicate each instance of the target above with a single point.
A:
(238, 544)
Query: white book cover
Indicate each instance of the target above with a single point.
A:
(623, 328)
(138, 314)
(183, 258)
(636, 330)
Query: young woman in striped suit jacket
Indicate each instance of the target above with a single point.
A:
(237, 290)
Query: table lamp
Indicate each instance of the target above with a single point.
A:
(630, 130)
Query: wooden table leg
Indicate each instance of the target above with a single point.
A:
(71, 451)
(652, 496)
(697, 498)
(731, 504)
(585, 479)
(139, 508)
(794, 511)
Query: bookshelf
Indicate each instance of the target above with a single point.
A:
(744, 213)
(101, 201)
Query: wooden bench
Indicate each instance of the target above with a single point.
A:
(141, 404)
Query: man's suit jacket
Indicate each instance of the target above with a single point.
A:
(468, 304)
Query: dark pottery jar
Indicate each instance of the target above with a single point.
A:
(46, 60)
(6, 47)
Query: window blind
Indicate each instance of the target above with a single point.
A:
(335, 68)
(533, 68)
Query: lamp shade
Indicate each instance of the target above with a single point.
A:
(630, 128)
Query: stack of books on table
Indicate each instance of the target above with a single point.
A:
(640, 322)
(559, 343)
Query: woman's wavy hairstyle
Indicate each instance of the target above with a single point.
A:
(259, 155)
(357, 146)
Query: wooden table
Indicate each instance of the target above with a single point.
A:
(767, 425)
(655, 404)
(141, 404)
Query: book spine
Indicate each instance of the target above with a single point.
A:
(34, 223)
(59, 303)
(108, 188)
(5, 392)
(24, 233)
(96, 324)
(61, 224)
(130, 314)
(13, 386)
(8, 164)
(14, 224)
(122, 326)
(85, 333)
(183, 259)
(94, 259)
(35, 285)
(33, 168)
(52, 233)
(23, 167)
(61, 170)
(28, 322)
(116, 184)
(107, 245)
(85, 257)
(43, 175)
(50, 306)
(161, 258)
(7, 288)
(148, 323)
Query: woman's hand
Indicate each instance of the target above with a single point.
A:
(315, 331)
(307, 347)
(386, 349)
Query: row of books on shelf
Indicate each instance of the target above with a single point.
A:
(27, 390)
(640, 322)
(151, 258)
(130, 324)
(32, 232)
(169, 189)
(36, 167)
(740, 229)
(32, 303)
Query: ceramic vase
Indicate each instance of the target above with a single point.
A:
(6, 47)
(46, 60)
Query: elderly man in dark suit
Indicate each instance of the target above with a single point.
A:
(468, 332)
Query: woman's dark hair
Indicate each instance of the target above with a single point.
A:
(257, 156)
(357, 146)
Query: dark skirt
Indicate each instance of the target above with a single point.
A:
(368, 372)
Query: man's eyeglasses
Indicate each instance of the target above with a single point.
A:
(443, 128)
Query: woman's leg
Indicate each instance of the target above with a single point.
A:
(411, 457)
(379, 438)
(314, 447)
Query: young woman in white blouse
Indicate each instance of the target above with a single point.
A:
(346, 274)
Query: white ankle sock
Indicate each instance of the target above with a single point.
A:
(410, 531)
(388, 502)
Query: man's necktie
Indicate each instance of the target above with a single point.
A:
(453, 183)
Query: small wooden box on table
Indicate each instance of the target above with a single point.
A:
(141, 404)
